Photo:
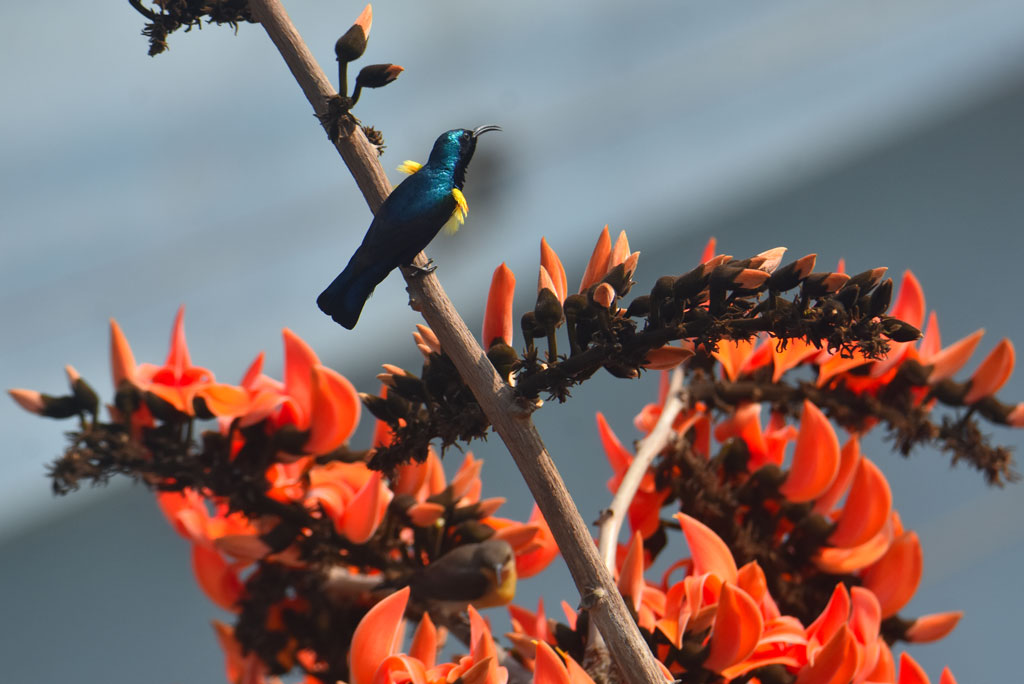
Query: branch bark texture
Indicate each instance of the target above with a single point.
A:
(599, 594)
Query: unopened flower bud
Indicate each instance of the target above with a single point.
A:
(352, 44)
(604, 295)
(790, 275)
(689, 285)
(639, 307)
(549, 310)
(377, 75)
(880, 299)
(900, 331)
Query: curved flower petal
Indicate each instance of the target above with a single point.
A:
(709, 552)
(894, 578)
(366, 510)
(597, 267)
(122, 361)
(738, 627)
(993, 372)
(334, 411)
(910, 671)
(299, 359)
(550, 262)
(933, 627)
(815, 457)
(377, 636)
(849, 460)
(835, 663)
(216, 578)
(948, 361)
(867, 508)
(400, 668)
(631, 577)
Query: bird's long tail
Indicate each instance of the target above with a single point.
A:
(344, 298)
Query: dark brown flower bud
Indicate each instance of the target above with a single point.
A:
(820, 284)
(549, 310)
(689, 285)
(880, 299)
(503, 358)
(576, 306)
(378, 406)
(161, 408)
(290, 440)
(200, 410)
(639, 307)
(377, 75)
(900, 331)
(790, 275)
(352, 45)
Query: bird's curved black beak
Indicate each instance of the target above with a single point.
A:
(484, 129)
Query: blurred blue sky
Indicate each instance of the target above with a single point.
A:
(887, 133)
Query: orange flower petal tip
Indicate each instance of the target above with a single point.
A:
(909, 305)
(933, 627)
(805, 265)
(709, 250)
(550, 261)
(867, 507)
(841, 561)
(490, 506)
(668, 357)
(215, 577)
(815, 457)
(948, 361)
(911, 671)
(835, 663)
(946, 677)
(631, 577)
(122, 362)
(424, 642)
(548, 667)
(993, 372)
(738, 627)
(709, 552)
(30, 400)
(518, 535)
(769, 259)
(598, 264)
(425, 514)
(894, 578)
(1016, 416)
(604, 295)
(498, 312)
(751, 278)
(365, 20)
(377, 636)
(366, 510)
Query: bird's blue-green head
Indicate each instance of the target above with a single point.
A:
(454, 149)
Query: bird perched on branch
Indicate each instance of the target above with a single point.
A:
(414, 212)
(482, 574)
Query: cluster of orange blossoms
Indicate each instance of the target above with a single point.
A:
(797, 566)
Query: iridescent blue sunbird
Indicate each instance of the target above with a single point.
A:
(410, 217)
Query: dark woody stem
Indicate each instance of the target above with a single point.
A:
(597, 589)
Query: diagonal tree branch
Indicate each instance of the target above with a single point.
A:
(512, 423)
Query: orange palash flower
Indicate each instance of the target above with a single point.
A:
(312, 398)
(498, 313)
(177, 381)
(551, 265)
(606, 257)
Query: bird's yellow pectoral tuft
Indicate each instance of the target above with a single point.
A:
(409, 166)
(458, 216)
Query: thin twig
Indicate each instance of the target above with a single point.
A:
(598, 592)
(649, 447)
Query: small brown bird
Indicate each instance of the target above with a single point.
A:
(482, 574)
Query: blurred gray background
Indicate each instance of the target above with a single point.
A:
(887, 133)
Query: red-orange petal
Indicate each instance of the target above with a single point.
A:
(334, 411)
(225, 401)
(738, 627)
(894, 578)
(548, 667)
(425, 514)
(839, 561)
(709, 250)
(833, 616)
(424, 642)
(377, 636)
(709, 552)
(553, 265)
(177, 357)
(620, 251)
(948, 361)
(946, 677)
(544, 549)
(122, 362)
(796, 352)
(910, 671)
(216, 578)
(498, 313)
(731, 354)
(815, 457)
(365, 511)
(909, 305)
(365, 20)
(849, 460)
(933, 627)
(618, 456)
(299, 359)
(835, 663)
(993, 372)
(752, 580)
(668, 357)
(867, 507)
(631, 575)
(597, 267)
